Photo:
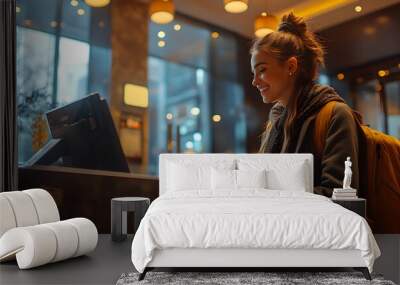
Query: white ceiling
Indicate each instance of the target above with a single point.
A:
(212, 11)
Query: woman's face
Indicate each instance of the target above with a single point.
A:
(271, 77)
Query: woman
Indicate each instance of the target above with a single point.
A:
(285, 64)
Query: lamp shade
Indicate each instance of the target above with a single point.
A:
(97, 3)
(236, 6)
(161, 11)
(265, 24)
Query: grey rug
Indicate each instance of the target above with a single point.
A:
(225, 278)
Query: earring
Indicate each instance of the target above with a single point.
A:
(290, 73)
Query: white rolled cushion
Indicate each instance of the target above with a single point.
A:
(45, 205)
(67, 240)
(23, 208)
(33, 246)
(223, 179)
(87, 235)
(7, 218)
(251, 178)
(37, 245)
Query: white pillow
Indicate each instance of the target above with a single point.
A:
(227, 179)
(292, 179)
(193, 174)
(223, 179)
(283, 173)
(182, 177)
(251, 178)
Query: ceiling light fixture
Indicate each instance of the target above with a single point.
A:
(97, 3)
(265, 24)
(236, 6)
(161, 11)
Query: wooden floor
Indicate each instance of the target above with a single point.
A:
(111, 259)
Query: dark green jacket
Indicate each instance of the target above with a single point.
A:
(341, 141)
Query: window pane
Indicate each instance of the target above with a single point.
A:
(181, 92)
(72, 70)
(393, 104)
(189, 46)
(100, 71)
(193, 75)
(224, 58)
(35, 70)
(368, 103)
(230, 131)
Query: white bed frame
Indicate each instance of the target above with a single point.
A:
(249, 257)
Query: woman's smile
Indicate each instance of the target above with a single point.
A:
(263, 90)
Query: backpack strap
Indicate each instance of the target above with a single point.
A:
(322, 122)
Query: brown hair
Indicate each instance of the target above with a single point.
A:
(293, 38)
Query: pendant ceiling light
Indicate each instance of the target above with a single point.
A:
(162, 11)
(97, 3)
(265, 24)
(236, 6)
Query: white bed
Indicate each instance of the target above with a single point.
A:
(198, 226)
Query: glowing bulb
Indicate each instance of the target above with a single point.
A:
(216, 118)
(81, 12)
(195, 111)
(169, 116)
(215, 35)
(177, 27)
(161, 43)
(358, 8)
(197, 137)
(74, 3)
(382, 73)
(189, 144)
(340, 76)
(161, 34)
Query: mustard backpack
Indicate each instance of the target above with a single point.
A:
(379, 170)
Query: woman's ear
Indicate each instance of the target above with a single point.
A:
(292, 65)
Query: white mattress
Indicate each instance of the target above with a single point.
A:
(257, 219)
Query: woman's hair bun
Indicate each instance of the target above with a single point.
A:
(293, 25)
